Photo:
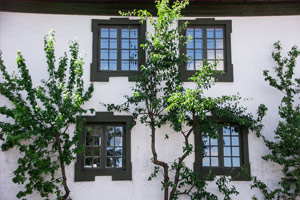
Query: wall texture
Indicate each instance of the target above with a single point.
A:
(252, 40)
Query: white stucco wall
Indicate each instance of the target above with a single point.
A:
(252, 43)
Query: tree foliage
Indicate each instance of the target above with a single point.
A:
(38, 121)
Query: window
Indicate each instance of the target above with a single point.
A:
(224, 155)
(210, 43)
(106, 141)
(116, 48)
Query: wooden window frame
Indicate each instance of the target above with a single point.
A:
(125, 173)
(227, 76)
(98, 75)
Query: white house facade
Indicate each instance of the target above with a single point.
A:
(241, 33)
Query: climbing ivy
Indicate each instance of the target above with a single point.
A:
(39, 119)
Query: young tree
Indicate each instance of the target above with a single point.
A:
(285, 149)
(159, 97)
(41, 118)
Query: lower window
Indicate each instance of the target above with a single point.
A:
(224, 155)
(106, 141)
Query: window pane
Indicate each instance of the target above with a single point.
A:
(133, 65)
(119, 131)
(205, 140)
(205, 162)
(198, 33)
(110, 130)
(133, 44)
(104, 65)
(226, 141)
(125, 44)
(226, 130)
(234, 131)
(227, 161)
(210, 33)
(190, 65)
(98, 130)
(198, 44)
(214, 162)
(210, 44)
(110, 162)
(125, 33)
(118, 151)
(113, 54)
(235, 141)
(219, 54)
(219, 33)
(125, 54)
(206, 151)
(88, 162)
(97, 141)
(214, 151)
(219, 43)
(133, 55)
(213, 141)
(190, 32)
(104, 54)
(113, 33)
(89, 151)
(89, 130)
(88, 141)
(96, 151)
(227, 151)
(133, 33)
(236, 162)
(110, 141)
(220, 65)
(190, 44)
(118, 141)
(96, 162)
(113, 44)
(235, 151)
(104, 43)
(199, 64)
(211, 54)
(119, 163)
(125, 65)
(110, 151)
(113, 65)
(104, 32)
(190, 53)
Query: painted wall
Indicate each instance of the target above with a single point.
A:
(252, 40)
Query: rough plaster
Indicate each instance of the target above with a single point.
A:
(252, 39)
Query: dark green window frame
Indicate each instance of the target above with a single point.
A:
(235, 172)
(98, 75)
(226, 25)
(82, 173)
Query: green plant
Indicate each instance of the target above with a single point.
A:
(285, 149)
(40, 118)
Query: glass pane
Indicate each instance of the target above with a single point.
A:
(133, 65)
(89, 141)
(113, 65)
(110, 151)
(125, 33)
(213, 141)
(234, 130)
(119, 163)
(133, 33)
(125, 65)
(235, 141)
(119, 151)
(199, 64)
(219, 43)
(220, 65)
(190, 65)
(104, 65)
(198, 44)
(89, 151)
(227, 151)
(235, 151)
(88, 162)
(210, 54)
(210, 33)
(96, 151)
(227, 161)
(190, 32)
(118, 141)
(104, 54)
(133, 44)
(219, 54)
(206, 151)
(190, 53)
(113, 33)
(110, 162)
(113, 54)
(210, 44)
(214, 162)
(205, 140)
(104, 32)
(226, 141)
(219, 33)
(199, 54)
(113, 44)
(89, 130)
(125, 54)
(110, 141)
(214, 151)
(226, 130)
(96, 162)
(133, 55)
(190, 44)
(110, 130)
(125, 44)
(98, 130)
(198, 33)
(119, 131)
(97, 141)
(236, 162)
(104, 43)
(205, 162)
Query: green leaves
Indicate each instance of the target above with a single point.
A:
(41, 117)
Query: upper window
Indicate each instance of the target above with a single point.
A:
(210, 42)
(224, 155)
(116, 48)
(106, 141)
